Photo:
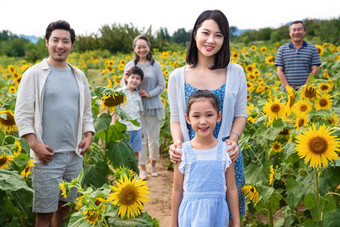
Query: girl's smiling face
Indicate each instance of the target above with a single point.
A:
(203, 117)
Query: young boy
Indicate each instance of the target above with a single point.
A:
(133, 106)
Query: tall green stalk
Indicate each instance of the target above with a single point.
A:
(316, 173)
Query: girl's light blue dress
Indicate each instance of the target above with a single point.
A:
(239, 166)
(204, 202)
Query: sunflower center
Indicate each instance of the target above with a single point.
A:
(252, 190)
(27, 168)
(9, 121)
(128, 195)
(318, 145)
(3, 161)
(303, 107)
(324, 87)
(275, 108)
(292, 100)
(301, 122)
(310, 92)
(323, 102)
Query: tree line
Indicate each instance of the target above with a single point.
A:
(118, 38)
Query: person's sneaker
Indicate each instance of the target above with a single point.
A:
(154, 171)
(143, 175)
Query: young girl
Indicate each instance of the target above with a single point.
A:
(205, 176)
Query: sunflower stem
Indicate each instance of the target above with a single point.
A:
(316, 172)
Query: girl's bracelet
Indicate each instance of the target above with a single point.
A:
(235, 134)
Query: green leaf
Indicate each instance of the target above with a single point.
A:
(332, 218)
(121, 154)
(95, 175)
(265, 192)
(77, 220)
(12, 181)
(254, 174)
(295, 191)
(272, 132)
(117, 131)
(328, 203)
(103, 122)
(140, 221)
(312, 223)
(309, 201)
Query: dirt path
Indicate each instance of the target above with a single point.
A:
(159, 205)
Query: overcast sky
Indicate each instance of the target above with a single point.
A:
(31, 17)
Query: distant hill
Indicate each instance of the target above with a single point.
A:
(237, 32)
(32, 38)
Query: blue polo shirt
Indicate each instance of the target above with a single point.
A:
(297, 63)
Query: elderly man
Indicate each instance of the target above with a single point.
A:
(297, 60)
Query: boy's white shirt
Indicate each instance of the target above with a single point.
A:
(133, 106)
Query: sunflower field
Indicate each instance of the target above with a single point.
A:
(290, 145)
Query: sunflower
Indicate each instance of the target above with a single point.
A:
(320, 49)
(251, 193)
(166, 73)
(5, 160)
(326, 75)
(109, 83)
(122, 61)
(309, 92)
(260, 88)
(274, 109)
(317, 146)
(323, 102)
(289, 90)
(130, 195)
(12, 89)
(250, 87)
(109, 68)
(249, 68)
(121, 67)
(235, 55)
(100, 202)
(325, 87)
(277, 147)
(111, 101)
(91, 215)
(251, 77)
(7, 122)
(290, 103)
(249, 97)
(271, 175)
(65, 189)
(302, 106)
(256, 72)
(338, 187)
(253, 48)
(263, 49)
(301, 120)
(333, 120)
(79, 203)
(17, 147)
(270, 60)
(27, 169)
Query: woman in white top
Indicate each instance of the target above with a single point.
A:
(208, 67)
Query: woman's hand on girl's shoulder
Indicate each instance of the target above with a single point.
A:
(175, 154)
(233, 149)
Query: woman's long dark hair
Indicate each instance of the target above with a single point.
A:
(149, 56)
(222, 57)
